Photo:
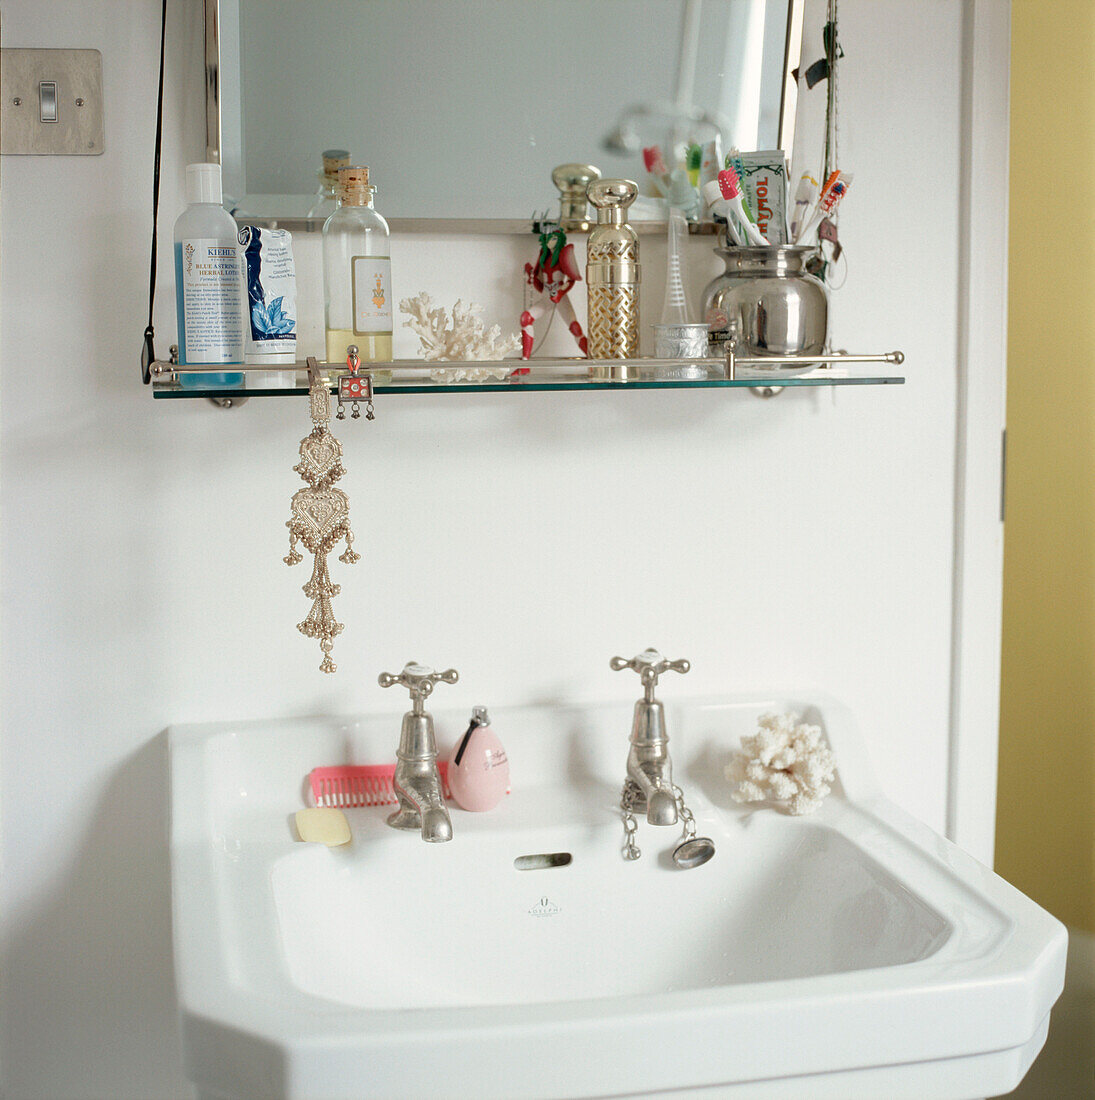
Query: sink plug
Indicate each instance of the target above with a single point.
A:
(785, 760)
(692, 851)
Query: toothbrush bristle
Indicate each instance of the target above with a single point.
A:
(728, 183)
(695, 158)
(834, 192)
(733, 160)
(654, 161)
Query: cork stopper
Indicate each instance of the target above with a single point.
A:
(353, 185)
(333, 160)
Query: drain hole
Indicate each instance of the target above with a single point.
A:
(544, 859)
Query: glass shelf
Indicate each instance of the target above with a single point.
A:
(546, 375)
(299, 223)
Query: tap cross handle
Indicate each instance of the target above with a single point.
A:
(419, 680)
(650, 664)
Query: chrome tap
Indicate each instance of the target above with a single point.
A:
(417, 781)
(649, 769)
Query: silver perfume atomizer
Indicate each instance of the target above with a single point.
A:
(612, 279)
(573, 182)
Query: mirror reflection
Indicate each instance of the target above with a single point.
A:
(462, 110)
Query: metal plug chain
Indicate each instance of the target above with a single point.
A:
(685, 814)
(631, 850)
(692, 851)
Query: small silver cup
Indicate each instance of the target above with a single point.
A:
(681, 342)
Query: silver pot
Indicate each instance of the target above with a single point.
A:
(766, 303)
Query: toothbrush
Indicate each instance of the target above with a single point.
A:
(804, 197)
(733, 160)
(731, 192)
(712, 195)
(692, 162)
(655, 166)
(682, 195)
(836, 186)
(711, 162)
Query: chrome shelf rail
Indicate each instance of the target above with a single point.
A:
(415, 375)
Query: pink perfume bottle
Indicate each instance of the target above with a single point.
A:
(478, 767)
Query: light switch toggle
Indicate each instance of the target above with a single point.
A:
(47, 100)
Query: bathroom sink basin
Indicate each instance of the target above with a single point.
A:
(850, 953)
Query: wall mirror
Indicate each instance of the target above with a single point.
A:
(462, 109)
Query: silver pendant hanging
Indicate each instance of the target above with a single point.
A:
(320, 519)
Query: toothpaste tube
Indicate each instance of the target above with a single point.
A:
(270, 334)
(763, 177)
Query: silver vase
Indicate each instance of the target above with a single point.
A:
(765, 304)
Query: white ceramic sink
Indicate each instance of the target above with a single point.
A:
(853, 953)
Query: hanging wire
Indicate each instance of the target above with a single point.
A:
(834, 77)
(148, 348)
(831, 159)
(832, 139)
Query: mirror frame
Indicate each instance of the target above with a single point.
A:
(788, 105)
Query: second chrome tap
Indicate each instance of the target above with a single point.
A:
(417, 781)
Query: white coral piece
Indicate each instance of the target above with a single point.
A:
(468, 374)
(785, 760)
(466, 338)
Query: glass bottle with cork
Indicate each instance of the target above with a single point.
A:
(357, 273)
(326, 198)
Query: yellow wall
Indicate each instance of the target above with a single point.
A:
(1045, 827)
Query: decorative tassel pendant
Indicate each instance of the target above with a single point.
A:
(320, 519)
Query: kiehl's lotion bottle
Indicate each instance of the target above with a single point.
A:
(208, 281)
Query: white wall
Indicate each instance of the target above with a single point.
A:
(524, 539)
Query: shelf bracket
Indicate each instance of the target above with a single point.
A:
(314, 377)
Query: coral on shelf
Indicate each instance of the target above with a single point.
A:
(462, 338)
(785, 760)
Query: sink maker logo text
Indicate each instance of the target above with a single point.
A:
(544, 908)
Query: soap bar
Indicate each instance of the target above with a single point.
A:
(323, 825)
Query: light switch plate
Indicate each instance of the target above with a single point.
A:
(70, 82)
